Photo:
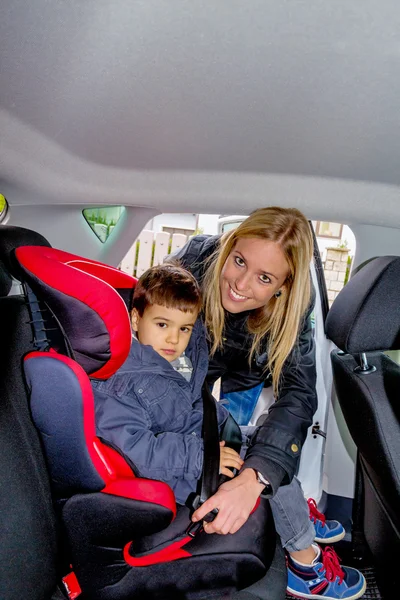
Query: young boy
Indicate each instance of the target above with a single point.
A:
(151, 409)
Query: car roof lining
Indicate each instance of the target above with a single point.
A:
(222, 107)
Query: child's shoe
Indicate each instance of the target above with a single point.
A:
(324, 579)
(326, 532)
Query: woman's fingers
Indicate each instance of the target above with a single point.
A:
(225, 522)
(205, 508)
(237, 525)
(220, 527)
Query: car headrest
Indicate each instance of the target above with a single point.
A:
(11, 237)
(365, 316)
(81, 294)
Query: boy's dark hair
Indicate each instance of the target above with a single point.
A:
(168, 285)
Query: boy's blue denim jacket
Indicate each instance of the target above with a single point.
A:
(154, 416)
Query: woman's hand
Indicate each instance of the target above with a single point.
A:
(228, 458)
(235, 500)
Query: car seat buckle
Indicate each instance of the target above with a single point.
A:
(194, 529)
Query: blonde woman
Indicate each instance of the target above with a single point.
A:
(258, 299)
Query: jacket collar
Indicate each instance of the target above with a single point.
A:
(144, 357)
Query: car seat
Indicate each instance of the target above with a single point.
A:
(364, 322)
(29, 556)
(126, 536)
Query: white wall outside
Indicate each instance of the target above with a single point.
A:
(325, 242)
(175, 220)
(208, 224)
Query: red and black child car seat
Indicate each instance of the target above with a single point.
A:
(125, 537)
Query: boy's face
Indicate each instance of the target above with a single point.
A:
(167, 330)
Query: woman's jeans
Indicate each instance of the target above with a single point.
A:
(289, 506)
(289, 509)
(291, 517)
(241, 404)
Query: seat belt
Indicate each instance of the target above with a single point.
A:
(210, 479)
(231, 434)
(210, 475)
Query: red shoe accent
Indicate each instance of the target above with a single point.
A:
(332, 568)
(314, 512)
(320, 587)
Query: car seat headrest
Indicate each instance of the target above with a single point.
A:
(365, 316)
(82, 295)
(11, 237)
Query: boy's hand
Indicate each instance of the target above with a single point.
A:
(228, 458)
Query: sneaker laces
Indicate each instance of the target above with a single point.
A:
(314, 512)
(331, 565)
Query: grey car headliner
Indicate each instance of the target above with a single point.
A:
(206, 106)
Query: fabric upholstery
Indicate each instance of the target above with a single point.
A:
(95, 319)
(365, 316)
(370, 404)
(13, 237)
(29, 558)
(57, 406)
(213, 563)
(5, 281)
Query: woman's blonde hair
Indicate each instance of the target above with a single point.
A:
(282, 318)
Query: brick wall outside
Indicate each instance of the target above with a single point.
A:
(335, 267)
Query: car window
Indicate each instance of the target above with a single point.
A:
(168, 232)
(102, 220)
(394, 355)
(162, 235)
(337, 244)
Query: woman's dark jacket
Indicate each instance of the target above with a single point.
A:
(276, 446)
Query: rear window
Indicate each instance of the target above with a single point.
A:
(168, 232)
(102, 220)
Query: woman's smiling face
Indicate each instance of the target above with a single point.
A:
(253, 272)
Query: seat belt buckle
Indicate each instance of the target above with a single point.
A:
(194, 529)
(210, 516)
(196, 502)
(197, 527)
(72, 586)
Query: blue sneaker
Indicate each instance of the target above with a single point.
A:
(325, 579)
(326, 532)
